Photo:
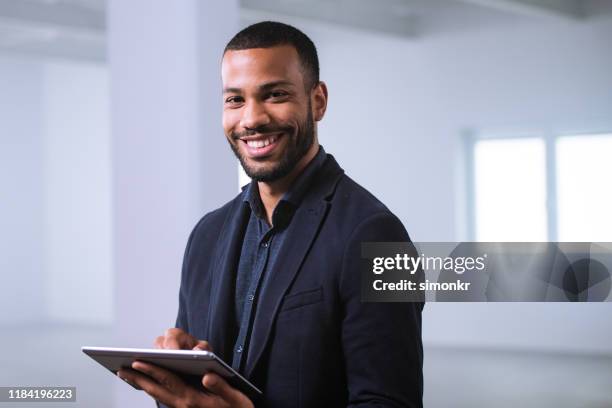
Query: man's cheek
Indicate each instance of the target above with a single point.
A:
(229, 121)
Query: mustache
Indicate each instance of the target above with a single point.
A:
(262, 130)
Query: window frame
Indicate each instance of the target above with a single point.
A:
(550, 138)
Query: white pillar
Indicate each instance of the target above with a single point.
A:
(171, 161)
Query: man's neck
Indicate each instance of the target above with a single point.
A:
(271, 192)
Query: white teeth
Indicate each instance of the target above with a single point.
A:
(258, 144)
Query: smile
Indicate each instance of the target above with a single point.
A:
(259, 143)
(261, 146)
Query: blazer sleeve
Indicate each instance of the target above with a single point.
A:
(182, 321)
(181, 318)
(381, 342)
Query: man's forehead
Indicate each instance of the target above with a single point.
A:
(279, 62)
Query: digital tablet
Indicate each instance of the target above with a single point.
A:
(191, 365)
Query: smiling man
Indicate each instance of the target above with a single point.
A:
(271, 281)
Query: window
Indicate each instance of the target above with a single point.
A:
(584, 192)
(538, 188)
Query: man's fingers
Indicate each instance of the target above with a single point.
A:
(164, 377)
(159, 342)
(177, 339)
(202, 345)
(172, 343)
(155, 390)
(121, 374)
(218, 386)
(172, 339)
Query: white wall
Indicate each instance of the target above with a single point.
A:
(398, 107)
(77, 194)
(55, 179)
(21, 293)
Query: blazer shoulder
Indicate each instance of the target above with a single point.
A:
(351, 195)
(358, 214)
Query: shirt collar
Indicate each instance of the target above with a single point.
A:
(292, 198)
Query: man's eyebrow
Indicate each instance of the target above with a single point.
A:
(269, 85)
(263, 87)
(231, 90)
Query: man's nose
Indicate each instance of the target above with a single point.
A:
(254, 115)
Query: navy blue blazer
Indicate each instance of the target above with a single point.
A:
(314, 343)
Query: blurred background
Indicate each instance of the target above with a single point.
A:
(471, 119)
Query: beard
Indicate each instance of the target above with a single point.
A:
(298, 145)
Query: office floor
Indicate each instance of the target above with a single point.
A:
(489, 378)
(454, 378)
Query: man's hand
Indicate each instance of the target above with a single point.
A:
(167, 388)
(177, 339)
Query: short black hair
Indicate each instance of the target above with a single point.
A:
(267, 34)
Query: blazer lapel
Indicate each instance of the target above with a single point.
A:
(221, 326)
(301, 233)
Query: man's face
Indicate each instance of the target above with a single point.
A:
(267, 113)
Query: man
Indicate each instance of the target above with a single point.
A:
(271, 280)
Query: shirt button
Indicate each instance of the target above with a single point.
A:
(239, 349)
(251, 298)
(265, 244)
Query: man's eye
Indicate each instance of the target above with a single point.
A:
(278, 94)
(233, 100)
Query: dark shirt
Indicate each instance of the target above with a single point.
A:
(260, 247)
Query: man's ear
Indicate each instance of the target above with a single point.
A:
(318, 98)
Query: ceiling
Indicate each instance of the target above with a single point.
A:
(77, 28)
(63, 28)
